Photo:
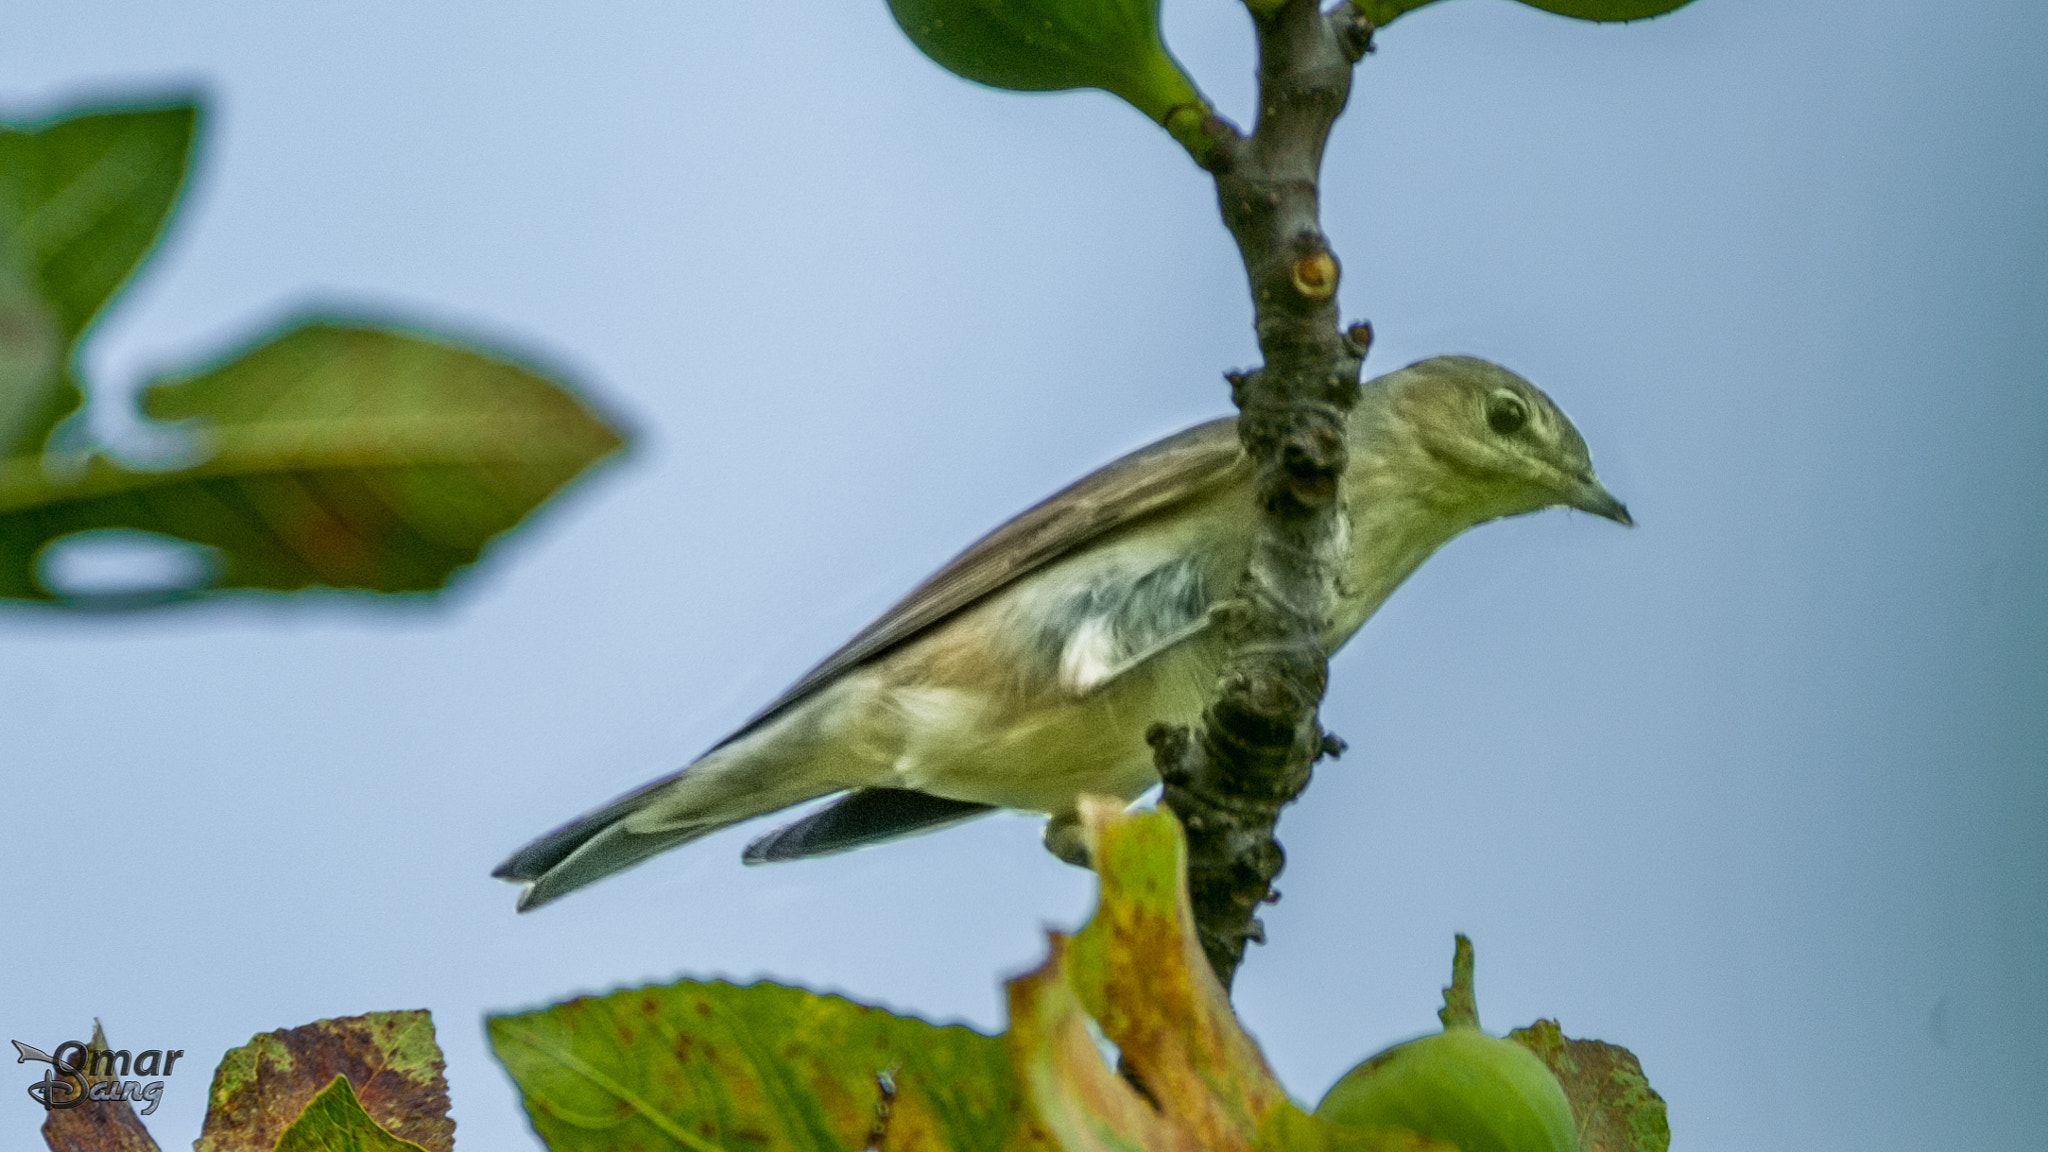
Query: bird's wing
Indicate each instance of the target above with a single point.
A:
(862, 817)
(1153, 478)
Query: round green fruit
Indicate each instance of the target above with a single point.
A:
(1479, 1092)
(1476, 1091)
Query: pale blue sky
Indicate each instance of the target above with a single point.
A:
(1759, 789)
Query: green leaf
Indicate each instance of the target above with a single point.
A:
(387, 1062)
(1044, 45)
(715, 1067)
(1383, 12)
(1612, 1102)
(83, 199)
(334, 1121)
(336, 454)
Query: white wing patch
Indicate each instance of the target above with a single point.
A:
(1093, 629)
(1091, 656)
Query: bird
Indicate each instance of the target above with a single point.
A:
(1027, 670)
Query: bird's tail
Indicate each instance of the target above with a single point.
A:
(722, 789)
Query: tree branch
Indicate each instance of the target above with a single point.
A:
(1252, 757)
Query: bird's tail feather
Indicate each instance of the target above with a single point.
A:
(720, 790)
(862, 817)
(601, 851)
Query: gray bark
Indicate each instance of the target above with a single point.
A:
(1228, 780)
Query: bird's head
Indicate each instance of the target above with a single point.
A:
(1483, 442)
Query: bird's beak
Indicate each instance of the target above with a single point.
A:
(1587, 494)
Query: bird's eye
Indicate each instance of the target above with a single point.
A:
(1506, 414)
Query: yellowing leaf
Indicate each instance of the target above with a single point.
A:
(1138, 970)
(1083, 1105)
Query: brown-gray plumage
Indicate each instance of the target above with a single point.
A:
(1026, 671)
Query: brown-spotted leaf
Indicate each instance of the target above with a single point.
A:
(390, 1059)
(1138, 969)
(97, 1125)
(1612, 1102)
(334, 453)
(717, 1067)
(334, 1121)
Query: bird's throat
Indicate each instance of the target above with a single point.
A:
(1394, 527)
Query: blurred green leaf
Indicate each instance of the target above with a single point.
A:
(335, 454)
(1612, 1102)
(82, 200)
(1043, 45)
(714, 1067)
(1383, 12)
(334, 1121)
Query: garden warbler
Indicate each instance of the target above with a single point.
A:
(1027, 671)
